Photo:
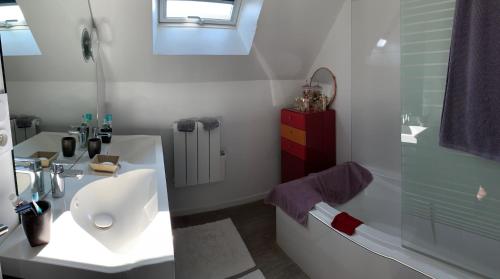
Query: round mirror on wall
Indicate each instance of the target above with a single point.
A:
(324, 78)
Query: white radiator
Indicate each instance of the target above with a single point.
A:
(198, 156)
(21, 134)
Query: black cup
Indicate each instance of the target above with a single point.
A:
(94, 147)
(37, 228)
(68, 146)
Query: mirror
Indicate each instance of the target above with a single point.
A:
(50, 81)
(324, 78)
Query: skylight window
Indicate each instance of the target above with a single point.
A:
(17, 39)
(211, 12)
(11, 16)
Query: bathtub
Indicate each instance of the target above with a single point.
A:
(375, 251)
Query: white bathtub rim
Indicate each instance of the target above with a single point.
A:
(389, 247)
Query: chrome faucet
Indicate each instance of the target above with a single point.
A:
(33, 168)
(3, 229)
(98, 133)
(82, 132)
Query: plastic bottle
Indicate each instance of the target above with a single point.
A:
(86, 119)
(107, 128)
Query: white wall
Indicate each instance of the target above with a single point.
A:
(251, 137)
(368, 100)
(289, 36)
(249, 109)
(336, 55)
(56, 26)
(146, 93)
(58, 104)
(376, 85)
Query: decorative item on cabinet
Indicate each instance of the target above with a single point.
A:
(315, 94)
(308, 142)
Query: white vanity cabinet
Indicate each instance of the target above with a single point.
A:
(77, 248)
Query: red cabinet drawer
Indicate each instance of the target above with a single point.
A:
(293, 134)
(293, 148)
(293, 119)
(292, 167)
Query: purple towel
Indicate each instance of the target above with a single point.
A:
(471, 111)
(336, 185)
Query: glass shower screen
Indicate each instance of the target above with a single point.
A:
(451, 200)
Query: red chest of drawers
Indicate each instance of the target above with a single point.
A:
(307, 143)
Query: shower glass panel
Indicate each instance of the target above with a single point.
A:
(451, 200)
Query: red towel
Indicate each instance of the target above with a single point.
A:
(346, 223)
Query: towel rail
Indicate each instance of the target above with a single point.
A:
(198, 156)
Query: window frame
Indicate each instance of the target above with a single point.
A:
(16, 25)
(163, 19)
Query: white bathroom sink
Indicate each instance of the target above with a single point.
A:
(106, 225)
(143, 151)
(116, 210)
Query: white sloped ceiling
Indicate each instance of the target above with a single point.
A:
(56, 26)
(289, 36)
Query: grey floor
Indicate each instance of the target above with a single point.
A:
(256, 224)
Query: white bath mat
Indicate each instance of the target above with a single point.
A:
(210, 251)
(254, 275)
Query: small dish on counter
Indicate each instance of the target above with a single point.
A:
(45, 157)
(105, 163)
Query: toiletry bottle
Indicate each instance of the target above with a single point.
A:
(89, 124)
(107, 128)
(87, 118)
(84, 132)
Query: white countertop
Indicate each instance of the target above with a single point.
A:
(71, 246)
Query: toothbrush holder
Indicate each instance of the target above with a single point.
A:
(94, 147)
(37, 227)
